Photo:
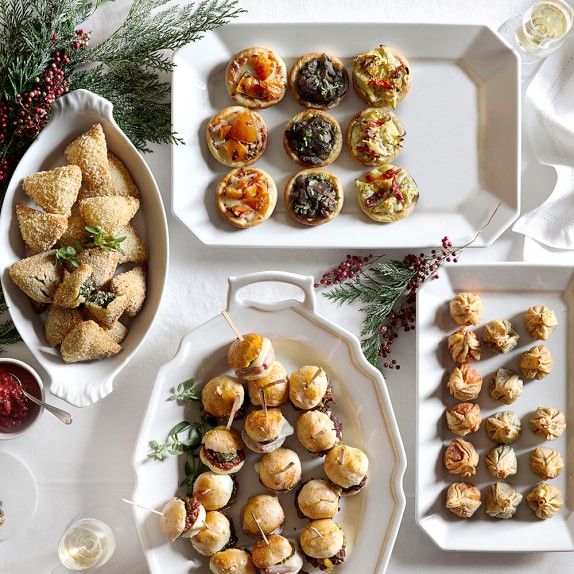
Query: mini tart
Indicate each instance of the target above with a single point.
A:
(236, 136)
(387, 194)
(375, 136)
(313, 196)
(319, 80)
(256, 78)
(381, 77)
(246, 196)
(313, 138)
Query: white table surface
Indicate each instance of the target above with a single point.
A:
(89, 462)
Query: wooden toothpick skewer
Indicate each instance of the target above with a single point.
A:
(291, 464)
(317, 434)
(316, 532)
(234, 409)
(232, 325)
(325, 500)
(206, 491)
(142, 506)
(342, 457)
(277, 382)
(260, 529)
(315, 375)
(264, 402)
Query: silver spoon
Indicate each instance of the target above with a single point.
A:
(63, 415)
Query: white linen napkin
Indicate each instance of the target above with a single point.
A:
(549, 118)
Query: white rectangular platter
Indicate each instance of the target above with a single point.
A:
(462, 117)
(507, 290)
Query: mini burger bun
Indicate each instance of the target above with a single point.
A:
(267, 555)
(304, 395)
(242, 353)
(325, 545)
(275, 395)
(316, 431)
(311, 499)
(213, 490)
(269, 513)
(172, 522)
(232, 561)
(215, 534)
(220, 439)
(271, 470)
(262, 426)
(218, 395)
(354, 467)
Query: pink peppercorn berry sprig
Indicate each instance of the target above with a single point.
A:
(349, 268)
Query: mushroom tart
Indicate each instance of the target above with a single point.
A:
(313, 138)
(313, 196)
(319, 80)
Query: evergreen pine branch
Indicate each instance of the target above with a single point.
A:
(153, 27)
(26, 41)
(141, 103)
(8, 334)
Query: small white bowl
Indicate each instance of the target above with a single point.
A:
(32, 422)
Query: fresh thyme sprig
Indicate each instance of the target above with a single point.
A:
(184, 437)
(192, 469)
(67, 253)
(185, 392)
(107, 242)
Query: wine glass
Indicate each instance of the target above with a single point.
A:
(90, 540)
(540, 31)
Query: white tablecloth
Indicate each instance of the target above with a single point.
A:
(90, 462)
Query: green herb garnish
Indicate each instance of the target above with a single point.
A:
(69, 254)
(99, 238)
(192, 470)
(185, 392)
(183, 437)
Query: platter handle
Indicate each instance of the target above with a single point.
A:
(304, 282)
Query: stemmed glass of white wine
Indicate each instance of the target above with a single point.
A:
(90, 540)
(541, 30)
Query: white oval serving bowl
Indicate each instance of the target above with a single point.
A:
(82, 384)
(300, 336)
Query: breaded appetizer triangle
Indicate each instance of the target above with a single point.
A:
(121, 182)
(75, 233)
(108, 213)
(38, 276)
(55, 190)
(118, 332)
(39, 230)
(87, 342)
(106, 307)
(133, 247)
(103, 264)
(90, 153)
(60, 322)
(132, 284)
(75, 288)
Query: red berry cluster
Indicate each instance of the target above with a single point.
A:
(82, 39)
(34, 106)
(347, 269)
(403, 317)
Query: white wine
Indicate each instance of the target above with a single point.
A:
(544, 26)
(87, 543)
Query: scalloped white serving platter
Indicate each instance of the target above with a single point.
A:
(371, 519)
(82, 384)
(507, 290)
(462, 117)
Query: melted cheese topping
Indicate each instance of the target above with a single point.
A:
(376, 136)
(246, 195)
